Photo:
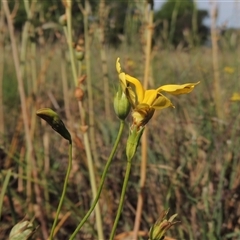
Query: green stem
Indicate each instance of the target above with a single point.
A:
(89, 84)
(68, 33)
(101, 182)
(120, 206)
(64, 191)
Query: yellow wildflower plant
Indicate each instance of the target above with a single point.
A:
(235, 97)
(145, 102)
(229, 70)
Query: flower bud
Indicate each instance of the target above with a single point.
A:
(22, 231)
(79, 55)
(79, 52)
(55, 122)
(158, 230)
(132, 142)
(121, 105)
(63, 20)
(79, 94)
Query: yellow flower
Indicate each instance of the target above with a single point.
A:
(229, 70)
(235, 97)
(145, 102)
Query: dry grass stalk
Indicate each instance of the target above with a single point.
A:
(20, 169)
(81, 108)
(31, 162)
(86, 13)
(2, 35)
(215, 63)
(101, 36)
(149, 17)
(65, 88)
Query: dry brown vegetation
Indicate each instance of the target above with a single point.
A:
(193, 155)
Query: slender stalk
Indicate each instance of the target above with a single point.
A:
(216, 81)
(63, 192)
(120, 206)
(109, 161)
(46, 167)
(11, 206)
(68, 33)
(20, 169)
(195, 24)
(65, 87)
(2, 35)
(23, 52)
(4, 189)
(145, 133)
(33, 68)
(92, 180)
(101, 37)
(174, 21)
(89, 83)
(30, 157)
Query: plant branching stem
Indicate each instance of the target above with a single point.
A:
(101, 182)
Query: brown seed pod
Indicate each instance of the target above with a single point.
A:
(79, 94)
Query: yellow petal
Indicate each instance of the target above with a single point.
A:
(123, 82)
(131, 95)
(178, 89)
(161, 102)
(136, 87)
(118, 65)
(150, 96)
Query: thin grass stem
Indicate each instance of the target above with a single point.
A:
(52, 233)
(31, 161)
(68, 33)
(89, 82)
(2, 50)
(4, 188)
(145, 133)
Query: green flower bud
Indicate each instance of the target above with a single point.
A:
(132, 142)
(79, 55)
(158, 230)
(22, 231)
(63, 20)
(55, 122)
(121, 105)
